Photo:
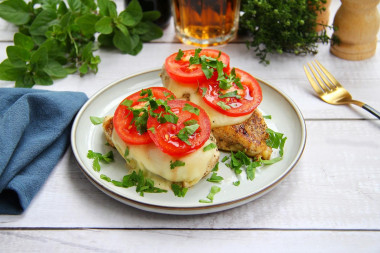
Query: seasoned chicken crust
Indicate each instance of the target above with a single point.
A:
(249, 137)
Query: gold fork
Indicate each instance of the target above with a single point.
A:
(330, 90)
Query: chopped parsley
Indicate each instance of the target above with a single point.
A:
(192, 109)
(106, 178)
(276, 140)
(231, 94)
(214, 190)
(216, 167)
(178, 190)
(222, 105)
(236, 183)
(190, 122)
(210, 146)
(204, 91)
(187, 131)
(267, 116)
(96, 120)
(97, 157)
(126, 153)
(176, 163)
(142, 184)
(215, 178)
(179, 55)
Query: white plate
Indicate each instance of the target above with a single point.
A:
(286, 118)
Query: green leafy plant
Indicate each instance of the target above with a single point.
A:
(57, 37)
(277, 26)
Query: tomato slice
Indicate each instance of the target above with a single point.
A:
(123, 117)
(246, 102)
(181, 72)
(166, 135)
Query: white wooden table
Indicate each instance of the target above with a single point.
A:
(329, 203)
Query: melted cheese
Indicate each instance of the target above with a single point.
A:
(182, 91)
(149, 158)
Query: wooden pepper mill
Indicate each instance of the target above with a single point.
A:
(358, 24)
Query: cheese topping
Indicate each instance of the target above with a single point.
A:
(148, 157)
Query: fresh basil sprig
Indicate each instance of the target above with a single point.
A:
(57, 37)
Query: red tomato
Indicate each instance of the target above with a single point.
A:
(181, 72)
(165, 135)
(123, 117)
(250, 96)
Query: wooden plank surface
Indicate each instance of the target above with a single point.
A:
(97, 240)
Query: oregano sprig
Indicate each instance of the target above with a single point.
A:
(57, 38)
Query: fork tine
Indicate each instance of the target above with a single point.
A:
(329, 75)
(325, 80)
(320, 82)
(315, 86)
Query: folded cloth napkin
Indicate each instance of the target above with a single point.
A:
(34, 134)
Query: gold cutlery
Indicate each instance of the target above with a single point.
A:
(330, 90)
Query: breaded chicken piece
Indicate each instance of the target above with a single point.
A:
(107, 129)
(249, 137)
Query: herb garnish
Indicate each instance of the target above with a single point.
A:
(222, 105)
(215, 178)
(276, 140)
(209, 147)
(106, 158)
(178, 190)
(176, 163)
(186, 132)
(214, 190)
(179, 55)
(192, 109)
(96, 120)
(142, 184)
(57, 37)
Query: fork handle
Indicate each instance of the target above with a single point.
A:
(371, 110)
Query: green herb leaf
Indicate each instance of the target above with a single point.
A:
(204, 91)
(142, 184)
(276, 140)
(214, 190)
(106, 158)
(216, 167)
(215, 178)
(104, 25)
(186, 132)
(192, 109)
(104, 177)
(222, 105)
(176, 163)
(126, 152)
(15, 11)
(232, 94)
(24, 41)
(236, 183)
(267, 116)
(96, 120)
(210, 146)
(178, 190)
(132, 15)
(190, 122)
(179, 55)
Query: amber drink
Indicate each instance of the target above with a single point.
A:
(206, 22)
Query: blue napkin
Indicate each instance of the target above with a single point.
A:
(34, 133)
